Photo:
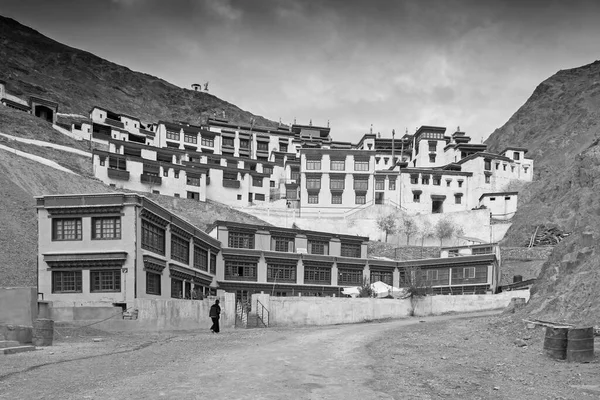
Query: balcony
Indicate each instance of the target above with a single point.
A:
(151, 179)
(119, 174)
(230, 183)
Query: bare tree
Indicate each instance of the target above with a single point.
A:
(409, 226)
(444, 229)
(425, 232)
(415, 283)
(387, 223)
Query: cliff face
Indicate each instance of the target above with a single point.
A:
(33, 64)
(560, 125)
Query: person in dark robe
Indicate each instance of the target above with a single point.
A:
(215, 312)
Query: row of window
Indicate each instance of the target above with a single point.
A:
(100, 281)
(339, 183)
(436, 180)
(103, 228)
(153, 239)
(417, 198)
(245, 240)
(336, 165)
(336, 198)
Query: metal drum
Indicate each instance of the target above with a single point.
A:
(555, 343)
(580, 345)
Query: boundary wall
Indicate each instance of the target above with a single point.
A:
(18, 305)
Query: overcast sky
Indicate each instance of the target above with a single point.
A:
(394, 64)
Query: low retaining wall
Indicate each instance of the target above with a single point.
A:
(301, 311)
(184, 314)
(18, 305)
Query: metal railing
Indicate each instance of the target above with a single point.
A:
(262, 314)
(241, 314)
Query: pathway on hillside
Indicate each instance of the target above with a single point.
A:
(47, 144)
(307, 363)
(38, 159)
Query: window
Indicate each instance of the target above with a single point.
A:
(360, 199)
(180, 249)
(172, 135)
(487, 179)
(468, 273)
(156, 192)
(190, 138)
(66, 229)
(336, 198)
(318, 247)
(313, 165)
(379, 184)
(313, 199)
(240, 270)
(106, 228)
(241, 240)
(313, 182)
(176, 174)
(432, 158)
(432, 275)
(283, 148)
(193, 196)
(497, 165)
(317, 274)
(262, 146)
(259, 197)
(338, 165)
(244, 144)
(282, 243)
(460, 183)
(102, 162)
(350, 276)
(337, 183)
(291, 194)
(350, 250)
(453, 253)
(228, 142)
(516, 155)
(66, 281)
(281, 272)
(482, 250)
(257, 181)
(213, 263)
(432, 147)
(361, 184)
(193, 180)
(295, 175)
(392, 184)
(200, 258)
(512, 168)
(165, 172)
(272, 184)
(425, 179)
(105, 281)
(492, 199)
(414, 179)
(208, 142)
(504, 167)
(507, 198)
(457, 199)
(487, 165)
(361, 165)
(383, 276)
(416, 197)
(267, 170)
(152, 283)
(176, 288)
(437, 180)
(153, 238)
(525, 169)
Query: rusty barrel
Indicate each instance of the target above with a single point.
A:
(43, 332)
(580, 345)
(555, 342)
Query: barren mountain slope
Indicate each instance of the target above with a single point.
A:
(33, 64)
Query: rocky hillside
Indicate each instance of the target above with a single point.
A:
(33, 64)
(560, 125)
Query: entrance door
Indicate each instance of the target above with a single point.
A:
(250, 198)
(379, 197)
(437, 206)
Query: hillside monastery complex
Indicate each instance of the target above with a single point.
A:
(113, 248)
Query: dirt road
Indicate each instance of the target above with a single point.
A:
(390, 360)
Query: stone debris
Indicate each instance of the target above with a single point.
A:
(544, 236)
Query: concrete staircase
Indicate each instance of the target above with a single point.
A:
(254, 322)
(13, 347)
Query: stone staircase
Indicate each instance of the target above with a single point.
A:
(254, 321)
(13, 347)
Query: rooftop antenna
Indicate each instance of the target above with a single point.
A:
(328, 123)
(206, 86)
(279, 121)
(310, 123)
(371, 129)
(393, 153)
(294, 120)
(458, 128)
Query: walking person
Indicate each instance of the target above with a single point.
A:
(215, 312)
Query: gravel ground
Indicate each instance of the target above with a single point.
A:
(446, 357)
